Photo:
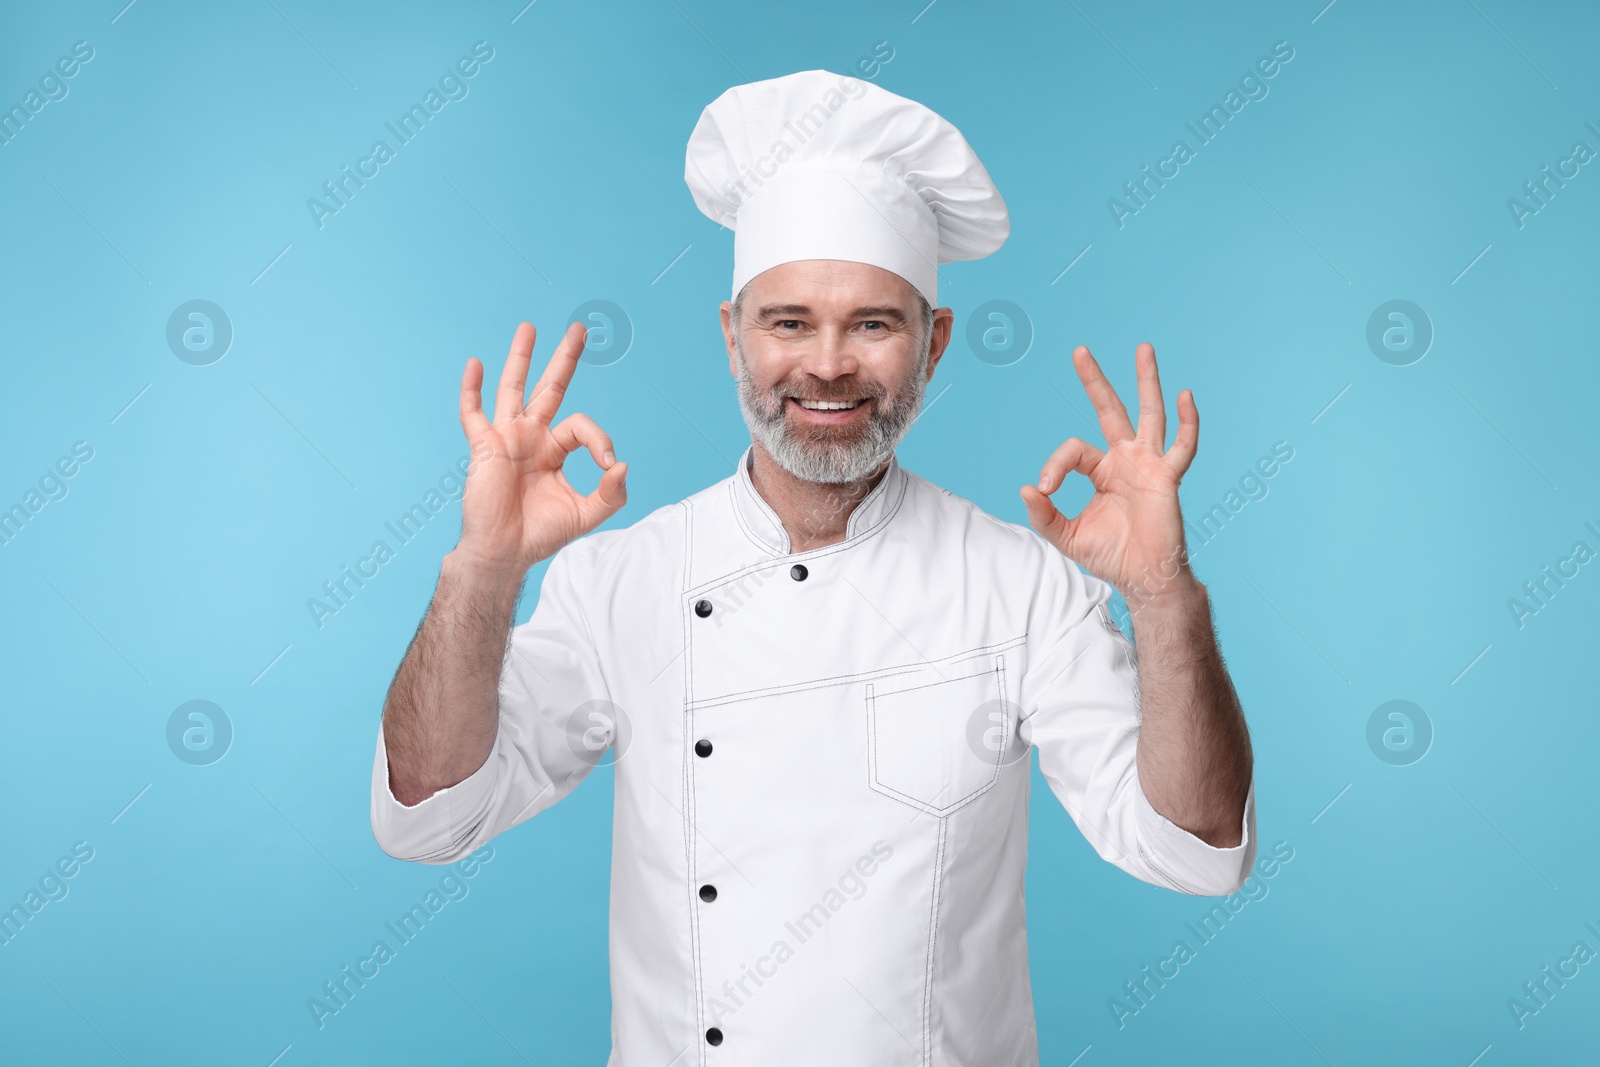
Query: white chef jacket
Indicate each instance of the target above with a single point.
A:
(821, 772)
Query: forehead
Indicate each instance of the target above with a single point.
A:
(831, 285)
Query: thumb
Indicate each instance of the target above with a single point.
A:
(610, 495)
(1047, 519)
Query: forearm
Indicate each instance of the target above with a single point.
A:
(443, 710)
(1194, 754)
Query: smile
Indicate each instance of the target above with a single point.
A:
(827, 405)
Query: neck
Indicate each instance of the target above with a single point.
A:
(814, 514)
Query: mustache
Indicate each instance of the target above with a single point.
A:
(817, 389)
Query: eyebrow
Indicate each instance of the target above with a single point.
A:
(779, 311)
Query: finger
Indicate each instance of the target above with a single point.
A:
(1152, 408)
(552, 385)
(1181, 454)
(608, 497)
(580, 431)
(1075, 454)
(1113, 416)
(514, 376)
(1047, 519)
(473, 422)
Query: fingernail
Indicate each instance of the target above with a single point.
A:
(609, 458)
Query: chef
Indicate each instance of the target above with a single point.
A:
(822, 677)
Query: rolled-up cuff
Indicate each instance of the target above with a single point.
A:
(1190, 864)
(438, 829)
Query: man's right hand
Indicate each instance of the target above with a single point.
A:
(518, 508)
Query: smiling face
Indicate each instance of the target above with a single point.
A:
(833, 359)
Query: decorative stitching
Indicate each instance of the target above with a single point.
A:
(872, 738)
(687, 790)
(926, 806)
(1000, 753)
(847, 679)
(691, 705)
(933, 935)
(801, 687)
(743, 483)
(815, 553)
(941, 681)
(744, 524)
(1179, 886)
(855, 515)
(923, 806)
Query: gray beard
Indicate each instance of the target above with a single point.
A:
(823, 455)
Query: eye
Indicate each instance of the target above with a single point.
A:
(871, 323)
(785, 324)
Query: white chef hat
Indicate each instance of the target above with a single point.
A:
(816, 165)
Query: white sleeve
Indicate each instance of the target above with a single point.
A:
(1080, 707)
(551, 672)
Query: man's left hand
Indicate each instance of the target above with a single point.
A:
(1130, 533)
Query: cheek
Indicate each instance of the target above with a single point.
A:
(759, 375)
(895, 371)
(772, 364)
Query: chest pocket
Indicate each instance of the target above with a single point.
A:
(934, 744)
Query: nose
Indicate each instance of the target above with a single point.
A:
(830, 356)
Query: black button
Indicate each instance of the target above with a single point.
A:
(713, 1036)
(798, 572)
(702, 608)
(708, 893)
(702, 747)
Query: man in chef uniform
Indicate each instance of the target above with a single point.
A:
(822, 676)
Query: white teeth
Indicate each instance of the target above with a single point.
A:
(827, 405)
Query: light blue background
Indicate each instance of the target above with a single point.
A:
(1378, 567)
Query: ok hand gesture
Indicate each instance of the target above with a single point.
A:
(518, 507)
(1130, 533)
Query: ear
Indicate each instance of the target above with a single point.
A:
(943, 325)
(727, 337)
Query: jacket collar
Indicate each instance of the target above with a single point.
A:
(766, 529)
